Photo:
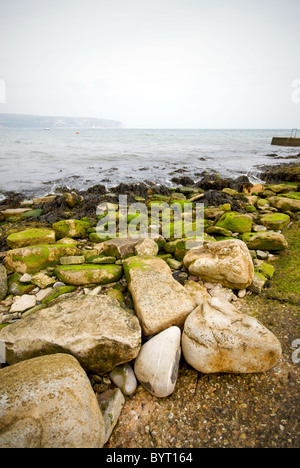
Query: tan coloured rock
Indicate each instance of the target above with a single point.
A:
(285, 204)
(146, 248)
(218, 338)
(119, 248)
(197, 291)
(95, 329)
(226, 262)
(48, 402)
(159, 300)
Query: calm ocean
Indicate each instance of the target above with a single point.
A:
(36, 161)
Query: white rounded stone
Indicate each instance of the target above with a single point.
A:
(157, 364)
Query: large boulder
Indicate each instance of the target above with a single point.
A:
(3, 282)
(226, 262)
(265, 240)
(30, 237)
(88, 274)
(38, 257)
(159, 300)
(97, 330)
(218, 338)
(48, 402)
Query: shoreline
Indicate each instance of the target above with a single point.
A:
(53, 265)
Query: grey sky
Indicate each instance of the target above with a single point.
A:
(154, 63)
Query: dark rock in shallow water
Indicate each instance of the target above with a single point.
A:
(185, 181)
(281, 173)
(215, 198)
(215, 182)
(140, 190)
(96, 189)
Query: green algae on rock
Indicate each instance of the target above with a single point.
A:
(88, 274)
(275, 221)
(56, 292)
(71, 228)
(235, 222)
(35, 258)
(30, 237)
(266, 240)
(284, 203)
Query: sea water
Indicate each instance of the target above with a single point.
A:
(38, 161)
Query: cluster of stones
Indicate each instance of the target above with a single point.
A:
(77, 310)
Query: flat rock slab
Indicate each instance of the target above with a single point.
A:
(218, 338)
(159, 300)
(48, 402)
(88, 274)
(38, 257)
(30, 237)
(95, 329)
(14, 212)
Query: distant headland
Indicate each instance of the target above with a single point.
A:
(38, 121)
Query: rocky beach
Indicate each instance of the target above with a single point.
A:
(142, 341)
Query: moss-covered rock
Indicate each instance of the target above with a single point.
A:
(275, 221)
(117, 294)
(262, 204)
(276, 188)
(88, 274)
(14, 213)
(235, 222)
(250, 208)
(71, 228)
(35, 258)
(291, 195)
(179, 229)
(56, 292)
(266, 240)
(219, 231)
(285, 204)
(30, 237)
(267, 270)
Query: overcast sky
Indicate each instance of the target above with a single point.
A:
(153, 63)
